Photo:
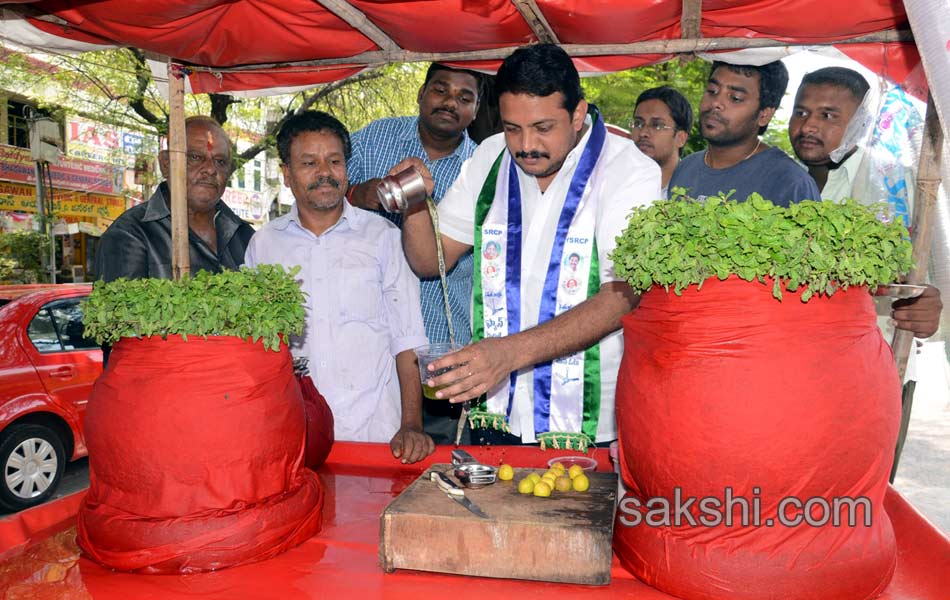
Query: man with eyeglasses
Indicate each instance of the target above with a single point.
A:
(138, 244)
(662, 120)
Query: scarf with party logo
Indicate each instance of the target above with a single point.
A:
(566, 390)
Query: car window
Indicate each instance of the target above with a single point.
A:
(67, 316)
(43, 334)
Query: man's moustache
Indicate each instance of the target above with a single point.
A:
(323, 181)
(708, 115)
(446, 111)
(802, 138)
(535, 154)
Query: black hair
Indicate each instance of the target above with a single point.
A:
(677, 103)
(540, 70)
(840, 77)
(773, 81)
(436, 67)
(310, 120)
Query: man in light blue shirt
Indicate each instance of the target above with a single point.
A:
(448, 101)
(363, 312)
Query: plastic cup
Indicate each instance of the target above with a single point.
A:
(428, 354)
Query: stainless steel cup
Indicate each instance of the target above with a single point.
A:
(400, 191)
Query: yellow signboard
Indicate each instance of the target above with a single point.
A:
(16, 196)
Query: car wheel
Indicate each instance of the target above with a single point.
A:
(33, 461)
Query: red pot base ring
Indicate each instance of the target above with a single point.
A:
(728, 388)
(196, 454)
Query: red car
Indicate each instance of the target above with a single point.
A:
(47, 368)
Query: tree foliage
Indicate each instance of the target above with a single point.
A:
(21, 257)
(116, 87)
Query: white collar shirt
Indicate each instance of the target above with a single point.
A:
(362, 309)
(840, 185)
(624, 179)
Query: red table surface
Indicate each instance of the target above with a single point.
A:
(39, 559)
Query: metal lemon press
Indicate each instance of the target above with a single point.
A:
(470, 472)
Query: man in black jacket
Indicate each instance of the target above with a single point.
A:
(139, 244)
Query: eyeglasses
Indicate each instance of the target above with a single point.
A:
(654, 125)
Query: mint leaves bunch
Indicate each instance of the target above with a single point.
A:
(821, 246)
(260, 303)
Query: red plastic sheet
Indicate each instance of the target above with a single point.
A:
(726, 392)
(341, 561)
(196, 454)
(319, 424)
(219, 33)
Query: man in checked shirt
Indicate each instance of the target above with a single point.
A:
(448, 101)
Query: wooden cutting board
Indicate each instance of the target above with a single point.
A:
(564, 538)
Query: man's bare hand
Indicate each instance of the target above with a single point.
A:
(411, 445)
(478, 368)
(419, 166)
(364, 195)
(920, 315)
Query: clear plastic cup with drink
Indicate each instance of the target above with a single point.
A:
(428, 354)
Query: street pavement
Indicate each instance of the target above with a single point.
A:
(923, 473)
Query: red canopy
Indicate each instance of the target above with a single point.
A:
(336, 38)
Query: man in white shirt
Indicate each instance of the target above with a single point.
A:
(363, 315)
(542, 204)
(826, 102)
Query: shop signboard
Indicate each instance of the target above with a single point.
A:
(16, 165)
(250, 206)
(66, 203)
(89, 140)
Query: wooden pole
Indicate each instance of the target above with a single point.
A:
(357, 20)
(536, 21)
(181, 261)
(692, 18)
(925, 202)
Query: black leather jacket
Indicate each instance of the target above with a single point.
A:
(139, 243)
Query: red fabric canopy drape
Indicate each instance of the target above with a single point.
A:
(228, 33)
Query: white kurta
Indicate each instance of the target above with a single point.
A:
(840, 185)
(627, 178)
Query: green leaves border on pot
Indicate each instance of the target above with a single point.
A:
(819, 245)
(261, 303)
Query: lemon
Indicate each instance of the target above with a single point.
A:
(526, 485)
(542, 489)
(549, 479)
(559, 466)
(535, 477)
(506, 473)
(581, 483)
(575, 470)
(562, 484)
